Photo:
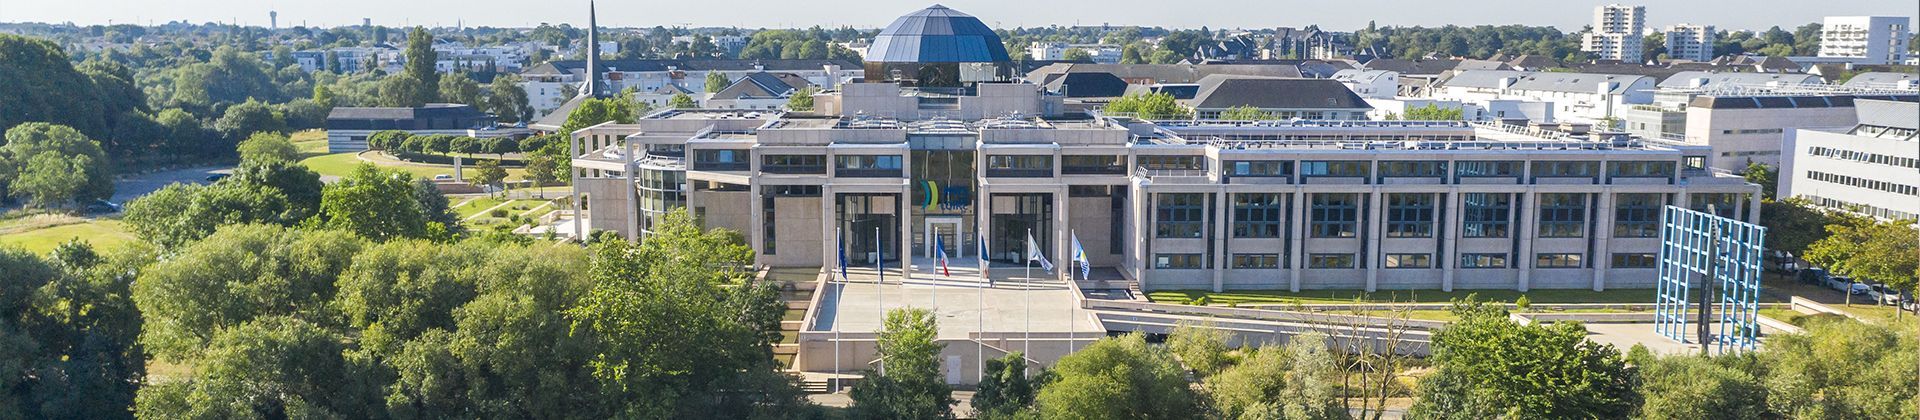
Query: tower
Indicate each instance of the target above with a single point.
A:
(592, 89)
(273, 19)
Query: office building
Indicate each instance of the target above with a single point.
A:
(349, 127)
(1871, 167)
(1617, 33)
(1865, 39)
(958, 152)
(1747, 124)
(1690, 42)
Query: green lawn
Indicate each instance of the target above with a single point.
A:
(1309, 297)
(476, 206)
(342, 164)
(102, 233)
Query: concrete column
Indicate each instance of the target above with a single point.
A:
(1061, 242)
(1753, 207)
(1296, 238)
(632, 190)
(573, 187)
(982, 224)
(1148, 232)
(905, 216)
(1451, 219)
(1528, 227)
(829, 226)
(1376, 215)
(1602, 232)
(756, 223)
(1220, 238)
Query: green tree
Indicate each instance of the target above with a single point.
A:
(53, 165)
(696, 297)
(507, 100)
(239, 274)
(402, 90)
(1247, 113)
(542, 170)
(1150, 106)
(272, 366)
(682, 101)
(1688, 386)
(1487, 366)
(182, 213)
(374, 203)
(1076, 54)
(1298, 381)
(908, 385)
(1841, 369)
(1118, 377)
(1130, 54)
(1765, 176)
(68, 332)
(42, 85)
(595, 111)
(1433, 112)
(387, 139)
(264, 147)
(1870, 251)
(717, 81)
(1006, 390)
(1793, 224)
(420, 66)
(488, 173)
(244, 119)
(457, 88)
(802, 99)
(1201, 347)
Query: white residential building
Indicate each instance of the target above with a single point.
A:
(1053, 51)
(1690, 42)
(1617, 32)
(1370, 84)
(1870, 167)
(1582, 97)
(1865, 39)
(551, 84)
(1750, 127)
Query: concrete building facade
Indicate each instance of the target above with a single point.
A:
(1690, 42)
(1617, 32)
(1865, 39)
(1871, 167)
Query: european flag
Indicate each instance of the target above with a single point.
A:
(1080, 256)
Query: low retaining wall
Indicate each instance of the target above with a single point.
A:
(1261, 314)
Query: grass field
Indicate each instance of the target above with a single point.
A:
(1310, 297)
(312, 145)
(103, 234)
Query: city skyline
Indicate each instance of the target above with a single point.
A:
(1567, 16)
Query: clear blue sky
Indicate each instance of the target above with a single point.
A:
(1336, 14)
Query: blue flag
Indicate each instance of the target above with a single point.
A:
(1080, 256)
(843, 254)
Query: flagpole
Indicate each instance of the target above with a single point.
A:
(1073, 301)
(1026, 285)
(980, 335)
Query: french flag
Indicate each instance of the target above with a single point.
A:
(940, 255)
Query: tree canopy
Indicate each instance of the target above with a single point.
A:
(1151, 106)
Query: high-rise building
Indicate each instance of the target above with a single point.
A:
(1690, 42)
(273, 19)
(1866, 39)
(1617, 32)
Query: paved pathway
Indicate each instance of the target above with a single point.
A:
(131, 187)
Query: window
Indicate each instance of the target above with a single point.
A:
(1258, 215)
(1413, 168)
(1563, 215)
(1172, 162)
(1640, 169)
(1469, 169)
(1176, 261)
(1343, 168)
(1260, 168)
(1486, 214)
(1724, 204)
(1335, 215)
(870, 166)
(1410, 215)
(1256, 261)
(1409, 260)
(1030, 166)
(1634, 260)
(1330, 261)
(1180, 215)
(1093, 165)
(793, 164)
(1558, 261)
(1565, 168)
(1494, 260)
(720, 160)
(1637, 215)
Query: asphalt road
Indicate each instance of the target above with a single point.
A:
(131, 187)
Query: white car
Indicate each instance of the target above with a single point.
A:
(1884, 295)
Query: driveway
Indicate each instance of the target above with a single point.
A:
(128, 188)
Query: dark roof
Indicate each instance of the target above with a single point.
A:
(1227, 91)
(1431, 66)
(1753, 102)
(1164, 73)
(1532, 62)
(403, 113)
(1179, 91)
(570, 66)
(1088, 85)
(763, 85)
(553, 120)
(937, 35)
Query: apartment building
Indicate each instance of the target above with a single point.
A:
(1690, 42)
(1865, 39)
(1617, 33)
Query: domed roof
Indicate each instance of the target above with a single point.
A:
(937, 35)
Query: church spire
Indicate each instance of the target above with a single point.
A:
(593, 55)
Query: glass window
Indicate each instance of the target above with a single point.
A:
(1020, 165)
(1471, 168)
(1486, 214)
(1258, 215)
(1641, 169)
(1558, 261)
(1637, 215)
(866, 165)
(793, 164)
(1256, 261)
(1565, 168)
(1484, 260)
(1093, 165)
(1330, 261)
(1180, 215)
(1409, 261)
(1335, 215)
(1410, 215)
(1176, 261)
(1634, 260)
(1563, 215)
(1172, 162)
(1260, 168)
(1344, 168)
(1405, 168)
(720, 160)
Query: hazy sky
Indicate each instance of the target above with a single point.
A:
(1335, 14)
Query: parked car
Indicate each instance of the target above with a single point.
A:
(217, 177)
(102, 206)
(1846, 284)
(443, 177)
(1814, 275)
(1881, 294)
